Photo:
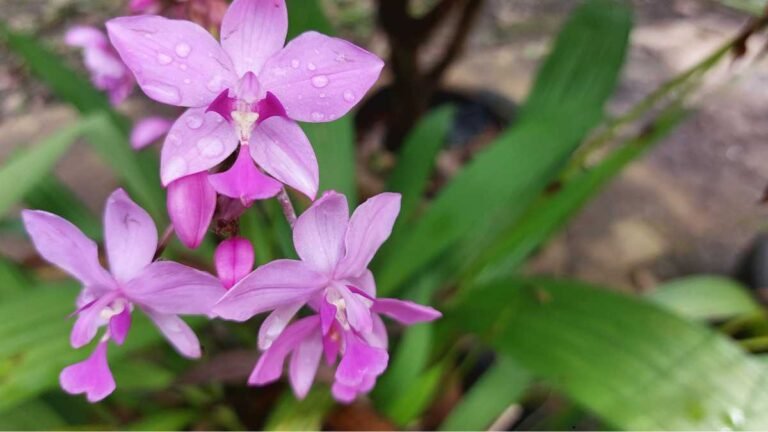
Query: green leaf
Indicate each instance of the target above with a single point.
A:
(334, 144)
(416, 160)
(291, 414)
(13, 281)
(307, 15)
(705, 297)
(415, 398)
(27, 169)
(499, 387)
(33, 415)
(511, 247)
(631, 362)
(53, 196)
(566, 103)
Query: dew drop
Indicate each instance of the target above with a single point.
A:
(183, 50)
(317, 116)
(295, 63)
(162, 92)
(311, 66)
(323, 95)
(164, 59)
(210, 147)
(214, 84)
(174, 140)
(349, 95)
(183, 66)
(320, 81)
(177, 167)
(194, 121)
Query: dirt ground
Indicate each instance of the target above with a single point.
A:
(690, 206)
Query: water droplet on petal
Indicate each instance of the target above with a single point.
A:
(162, 92)
(183, 49)
(210, 147)
(183, 66)
(163, 59)
(177, 167)
(318, 116)
(174, 139)
(320, 81)
(322, 95)
(214, 85)
(349, 95)
(194, 121)
(295, 63)
(311, 66)
(187, 81)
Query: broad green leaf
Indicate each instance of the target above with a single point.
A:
(28, 168)
(306, 15)
(499, 387)
(705, 297)
(415, 398)
(566, 103)
(33, 415)
(633, 363)
(510, 248)
(417, 158)
(291, 414)
(13, 281)
(334, 144)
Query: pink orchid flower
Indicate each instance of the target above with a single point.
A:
(249, 90)
(234, 260)
(107, 71)
(162, 289)
(333, 278)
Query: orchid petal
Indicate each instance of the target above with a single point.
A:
(65, 246)
(343, 393)
(119, 325)
(197, 142)
(148, 130)
(304, 363)
(191, 204)
(377, 337)
(331, 344)
(252, 31)
(85, 37)
(364, 283)
(91, 376)
(319, 232)
(270, 364)
(234, 260)
(244, 181)
(318, 78)
(357, 311)
(370, 225)
(272, 285)
(175, 62)
(89, 319)
(177, 332)
(406, 312)
(130, 236)
(359, 360)
(275, 323)
(281, 148)
(172, 288)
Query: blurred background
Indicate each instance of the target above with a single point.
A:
(690, 93)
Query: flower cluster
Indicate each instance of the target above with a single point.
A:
(237, 142)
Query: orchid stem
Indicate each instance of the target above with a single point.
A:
(164, 240)
(287, 205)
